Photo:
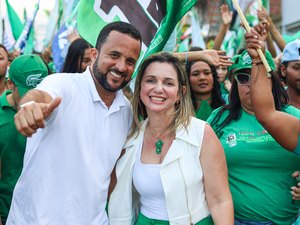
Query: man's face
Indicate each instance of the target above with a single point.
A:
(116, 61)
(291, 72)
(3, 62)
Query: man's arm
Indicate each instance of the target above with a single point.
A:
(35, 107)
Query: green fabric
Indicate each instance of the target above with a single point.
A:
(14, 20)
(27, 71)
(143, 220)
(244, 61)
(172, 12)
(204, 110)
(223, 89)
(12, 148)
(51, 66)
(259, 170)
(297, 149)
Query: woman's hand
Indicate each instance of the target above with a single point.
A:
(254, 41)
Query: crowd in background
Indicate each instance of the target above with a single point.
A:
(202, 145)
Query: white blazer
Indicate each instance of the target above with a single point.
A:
(181, 176)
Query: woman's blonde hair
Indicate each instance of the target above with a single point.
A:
(183, 108)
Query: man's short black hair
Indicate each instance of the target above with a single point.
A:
(119, 26)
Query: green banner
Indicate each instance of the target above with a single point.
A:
(15, 22)
(155, 20)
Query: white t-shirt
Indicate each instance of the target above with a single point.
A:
(67, 165)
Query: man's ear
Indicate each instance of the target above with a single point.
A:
(94, 54)
(283, 70)
(10, 84)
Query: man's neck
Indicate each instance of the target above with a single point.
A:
(11, 101)
(294, 97)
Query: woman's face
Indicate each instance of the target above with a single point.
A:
(222, 73)
(243, 84)
(159, 88)
(201, 79)
(87, 59)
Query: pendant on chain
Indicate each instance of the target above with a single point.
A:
(158, 144)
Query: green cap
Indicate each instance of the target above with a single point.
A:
(234, 59)
(244, 61)
(27, 71)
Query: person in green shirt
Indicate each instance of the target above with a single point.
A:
(25, 73)
(259, 169)
(205, 88)
(3, 67)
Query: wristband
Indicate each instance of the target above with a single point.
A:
(27, 103)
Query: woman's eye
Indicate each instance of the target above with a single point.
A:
(150, 81)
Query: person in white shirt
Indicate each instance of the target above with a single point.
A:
(172, 160)
(85, 119)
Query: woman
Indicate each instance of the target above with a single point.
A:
(173, 160)
(205, 88)
(259, 169)
(225, 84)
(283, 127)
(78, 57)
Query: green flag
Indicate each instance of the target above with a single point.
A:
(15, 22)
(155, 19)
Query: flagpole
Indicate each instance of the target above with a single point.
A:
(248, 29)
(260, 5)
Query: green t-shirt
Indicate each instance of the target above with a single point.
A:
(12, 148)
(223, 89)
(204, 110)
(259, 171)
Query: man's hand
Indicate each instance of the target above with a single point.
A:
(32, 116)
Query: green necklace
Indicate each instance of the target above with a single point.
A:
(158, 144)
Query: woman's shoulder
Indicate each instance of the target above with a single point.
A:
(292, 110)
(215, 113)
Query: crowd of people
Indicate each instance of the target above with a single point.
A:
(202, 139)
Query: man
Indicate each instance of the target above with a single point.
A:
(85, 120)
(25, 73)
(3, 67)
(290, 70)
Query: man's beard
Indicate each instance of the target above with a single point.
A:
(102, 79)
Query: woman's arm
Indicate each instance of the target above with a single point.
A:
(212, 57)
(216, 186)
(276, 35)
(283, 127)
(226, 20)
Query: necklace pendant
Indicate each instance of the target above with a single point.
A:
(158, 144)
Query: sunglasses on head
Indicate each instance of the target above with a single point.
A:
(242, 78)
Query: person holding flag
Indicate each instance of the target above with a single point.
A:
(283, 127)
